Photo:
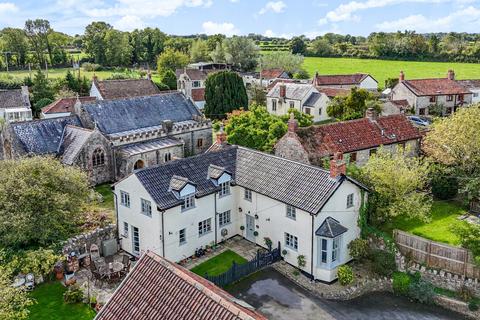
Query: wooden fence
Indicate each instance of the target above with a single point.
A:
(437, 255)
(238, 271)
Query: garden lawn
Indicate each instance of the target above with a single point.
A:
(383, 69)
(106, 191)
(61, 72)
(443, 218)
(218, 264)
(50, 305)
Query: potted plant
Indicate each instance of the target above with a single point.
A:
(58, 269)
(255, 233)
(268, 243)
(93, 301)
(284, 252)
(242, 228)
(301, 261)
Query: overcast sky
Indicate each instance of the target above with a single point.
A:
(271, 18)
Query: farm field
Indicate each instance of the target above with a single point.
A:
(383, 69)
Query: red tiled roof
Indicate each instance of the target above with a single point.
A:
(433, 87)
(340, 79)
(271, 73)
(333, 92)
(119, 89)
(198, 94)
(274, 82)
(159, 289)
(65, 105)
(400, 103)
(354, 135)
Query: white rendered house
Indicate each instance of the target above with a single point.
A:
(175, 208)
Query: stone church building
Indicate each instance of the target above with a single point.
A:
(111, 138)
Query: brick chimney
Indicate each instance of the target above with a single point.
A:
(283, 90)
(292, 123)
(221, 136)
(338, 167)
(371, 114)
(401, 77)
(451, 74)
(315, 79)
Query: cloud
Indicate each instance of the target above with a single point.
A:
(269, 33)
(467, 17)
(273, 6)
(226, 28)
(7, 7)
(129, 23)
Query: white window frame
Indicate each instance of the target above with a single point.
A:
(135, 241)
(188, 202)
(125, 199)
(291, 212)
(324, 250)
(247, 194)
(224, 218)
(125, 229)
(331, 249)
(274, 105)
(291, 104)
(335, 249)
(204, 227)
(182, 233)
(291, 241)
(350, 198)
(196, 84)
(224, 189)
(146, 207)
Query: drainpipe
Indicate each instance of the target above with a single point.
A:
(114, 161)
(163, 232)
(116, 211)
(311, 257)
(215, 211)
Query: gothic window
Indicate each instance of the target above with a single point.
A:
(168, 156)
(98, 158)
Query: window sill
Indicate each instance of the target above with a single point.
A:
(204, 234)
(224, 225)
(146, 215)
(182, 243)
(223, 195)
(290, 248)
(292, 218)
(187, 209)
(249, 200)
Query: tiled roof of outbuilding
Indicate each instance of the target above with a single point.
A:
(119, 89)
(65, 105)
(302, 186)
(334, 92)
(296, 91)
(340, 79)
(273, 74)
(112, 116)
(42, 136)
(159, 289)
(330, 228)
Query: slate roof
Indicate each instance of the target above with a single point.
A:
(215, 172)
(340, 79)
(302, 186)
(177, 183)
(297, 91)
(119, 89)
(354, 135)
(330, 228)
(312, 99)
(113, 116)
(470, 84)
(159, 289)
(12, 99)
(42, 136)
(74, 138)
(434, 87)
(157, 144)
(65, 105)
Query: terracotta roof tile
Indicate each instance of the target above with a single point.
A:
(65, 105)
(340, 79)
(433, 87)
(271, 73)
(158, 289)
(333, 92)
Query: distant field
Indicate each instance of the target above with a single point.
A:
(383, 69)
(57, 73)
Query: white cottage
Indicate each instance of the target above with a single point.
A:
(177, 207)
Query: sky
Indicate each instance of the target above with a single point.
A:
(282, 18)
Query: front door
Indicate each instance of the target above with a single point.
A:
(250, 228)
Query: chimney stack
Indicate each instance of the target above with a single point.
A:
(292, 123)
(371, 114)
(338, 167)
(283, 90)
(221, 136)
(315, 79)
(401, 77)
(451, 74)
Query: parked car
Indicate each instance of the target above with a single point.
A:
(419, 121)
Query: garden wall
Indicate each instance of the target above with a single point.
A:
(84, 241)
(437, 255)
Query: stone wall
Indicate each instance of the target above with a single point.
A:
(457, 306)
(78, 243)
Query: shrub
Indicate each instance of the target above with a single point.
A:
(444, 188)
(383, 262)
(118, 76)
(422, 291)
(401, 283)
(87, 66)
(465, 293)
(473, 305)
(358, 248)
(73, 295)
(268, 242)
(345, 275)
(301, 261)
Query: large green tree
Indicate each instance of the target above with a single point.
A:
(41, 90)
(15, 41)
(147, 44)
(199, 51)
(40, 201)
(118, 51)
(298, 46)
(284, 60)
(352, 106)
(94, 41)
(171, 60)
(241, 52)
(38, 32)
(224, 92)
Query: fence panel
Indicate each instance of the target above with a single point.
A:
(437, 255)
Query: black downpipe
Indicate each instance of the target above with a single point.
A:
(215, 211)
(163, 233)
(116, 212)
(311, 257)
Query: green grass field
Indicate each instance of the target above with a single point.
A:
(61, 72)
(443, 219)
(383, 69)
(50, 305)
(218, 264)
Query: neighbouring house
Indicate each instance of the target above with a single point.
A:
(159, 289)
(346, 81)
(357, 139)
(264, 78)
(120, 89)
(111, 138)
(63, 107)
(15, 105)
(209, 66)
(440, 96)
(174, 208)
(473, 86)
(390, 107)
(303, 97)
(191, 82)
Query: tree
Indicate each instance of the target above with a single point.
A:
(199, 51)
(304, 120)
(169, 78)
(224, 92)
(469, 234)
(255, 128)
(71, 82)
(298, 46)
(41, 87)
(14, 302)
(147, 44)
(38, 31)
(352, 106)
(15, 41)
(40, 201)
(218, 55)
(321, 48)
(118, 51)
(171, 60)
(398, 182)
(94, 41)
(241, 52)
(284, 60)
(257, 94)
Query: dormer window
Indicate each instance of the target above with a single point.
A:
(188, 202)
(224, 189)
(184, 190)
(221, 178)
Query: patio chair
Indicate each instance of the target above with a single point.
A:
(97, 276)
(30, 281)
(126, 265)
(94, 252)
(109, 259)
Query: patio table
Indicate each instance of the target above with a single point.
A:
(112, 270)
